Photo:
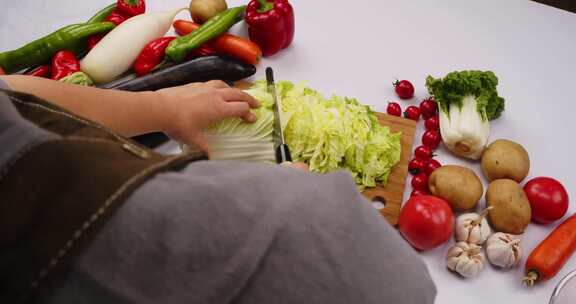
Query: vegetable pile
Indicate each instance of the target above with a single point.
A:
(327, 134)
(467, 101)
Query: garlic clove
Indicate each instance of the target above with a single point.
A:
(465, 259)
(473, 228)
(504, 250)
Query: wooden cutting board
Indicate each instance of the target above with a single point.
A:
(391, 194)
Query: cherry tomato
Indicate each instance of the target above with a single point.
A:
(548, 199)
(432, 123)
(426, 221)
(417, 192)
(428, 107)
(416, 166)
(431, 165)
(424, 152)
(412, 112)
(394, 109)
(404, 89)
(420, 181)
(431, 138)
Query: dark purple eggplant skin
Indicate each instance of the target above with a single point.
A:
(195, 70)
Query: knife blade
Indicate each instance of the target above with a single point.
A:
(281, 148)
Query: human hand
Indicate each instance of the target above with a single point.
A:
(194, 107)
(298, 166)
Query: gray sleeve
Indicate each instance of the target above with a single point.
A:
(224, 232)
(16, 133)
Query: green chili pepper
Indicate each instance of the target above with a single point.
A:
(180, 47)
(102, 14)
(40, 51)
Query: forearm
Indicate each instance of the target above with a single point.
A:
(128, 113)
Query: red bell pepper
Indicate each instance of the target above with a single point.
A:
(151, 55)
(116, 17)
(131, 8)
(64, 63)
(41, 71)
(270, 24)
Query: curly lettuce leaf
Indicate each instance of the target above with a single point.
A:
(450, 91)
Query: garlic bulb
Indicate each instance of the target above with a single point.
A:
(465, 259)
(504, 250)
(473, 228)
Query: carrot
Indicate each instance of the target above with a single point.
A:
(551, 254)
(230, 45)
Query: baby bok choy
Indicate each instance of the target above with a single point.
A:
(468, 101)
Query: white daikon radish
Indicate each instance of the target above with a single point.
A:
(118, 50)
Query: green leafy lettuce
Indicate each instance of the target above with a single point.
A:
(450, 91)
(326, 133)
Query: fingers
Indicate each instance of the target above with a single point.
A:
(297, 166)
(238, 109)
(216, 84)
(235, 95)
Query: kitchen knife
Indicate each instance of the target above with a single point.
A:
(281, 148)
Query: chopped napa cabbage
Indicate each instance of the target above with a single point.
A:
(327, 134)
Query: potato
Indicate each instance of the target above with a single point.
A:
(459, 186)
(511, 210)
(202, 10)
(505, 159)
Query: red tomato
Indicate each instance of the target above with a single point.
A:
(426, 221)
(432, 123)
(394, 109)
(417, 192)
(431, 165)
(431, 138)
(548, 199)
(424, 152)
(416, 165)
(404, 89)
(428, 107)
(420, 181)
(412, 112)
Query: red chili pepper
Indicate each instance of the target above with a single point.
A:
(270, 24)
(64, 63)
(204, 50)
(116, 17)
(131, 8)
(151, 55)
(41, 71)
(93, 40)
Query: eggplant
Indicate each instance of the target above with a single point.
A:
(195, 70)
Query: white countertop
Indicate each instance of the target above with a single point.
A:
(357, 48)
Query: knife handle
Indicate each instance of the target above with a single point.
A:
(283, 154)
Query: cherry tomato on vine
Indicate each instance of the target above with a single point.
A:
(431, 138)
(416, 165)
(431, 165)
(417, 192)
(412, 112)
(420, 181)
(404, 89)
(432, 123)
(428, 107)
(394, 109)
(424, 152)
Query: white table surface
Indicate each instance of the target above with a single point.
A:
(357, 48)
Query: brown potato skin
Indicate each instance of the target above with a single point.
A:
(505, 159)
(511, 210)
(459, 186)
(202, 10)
